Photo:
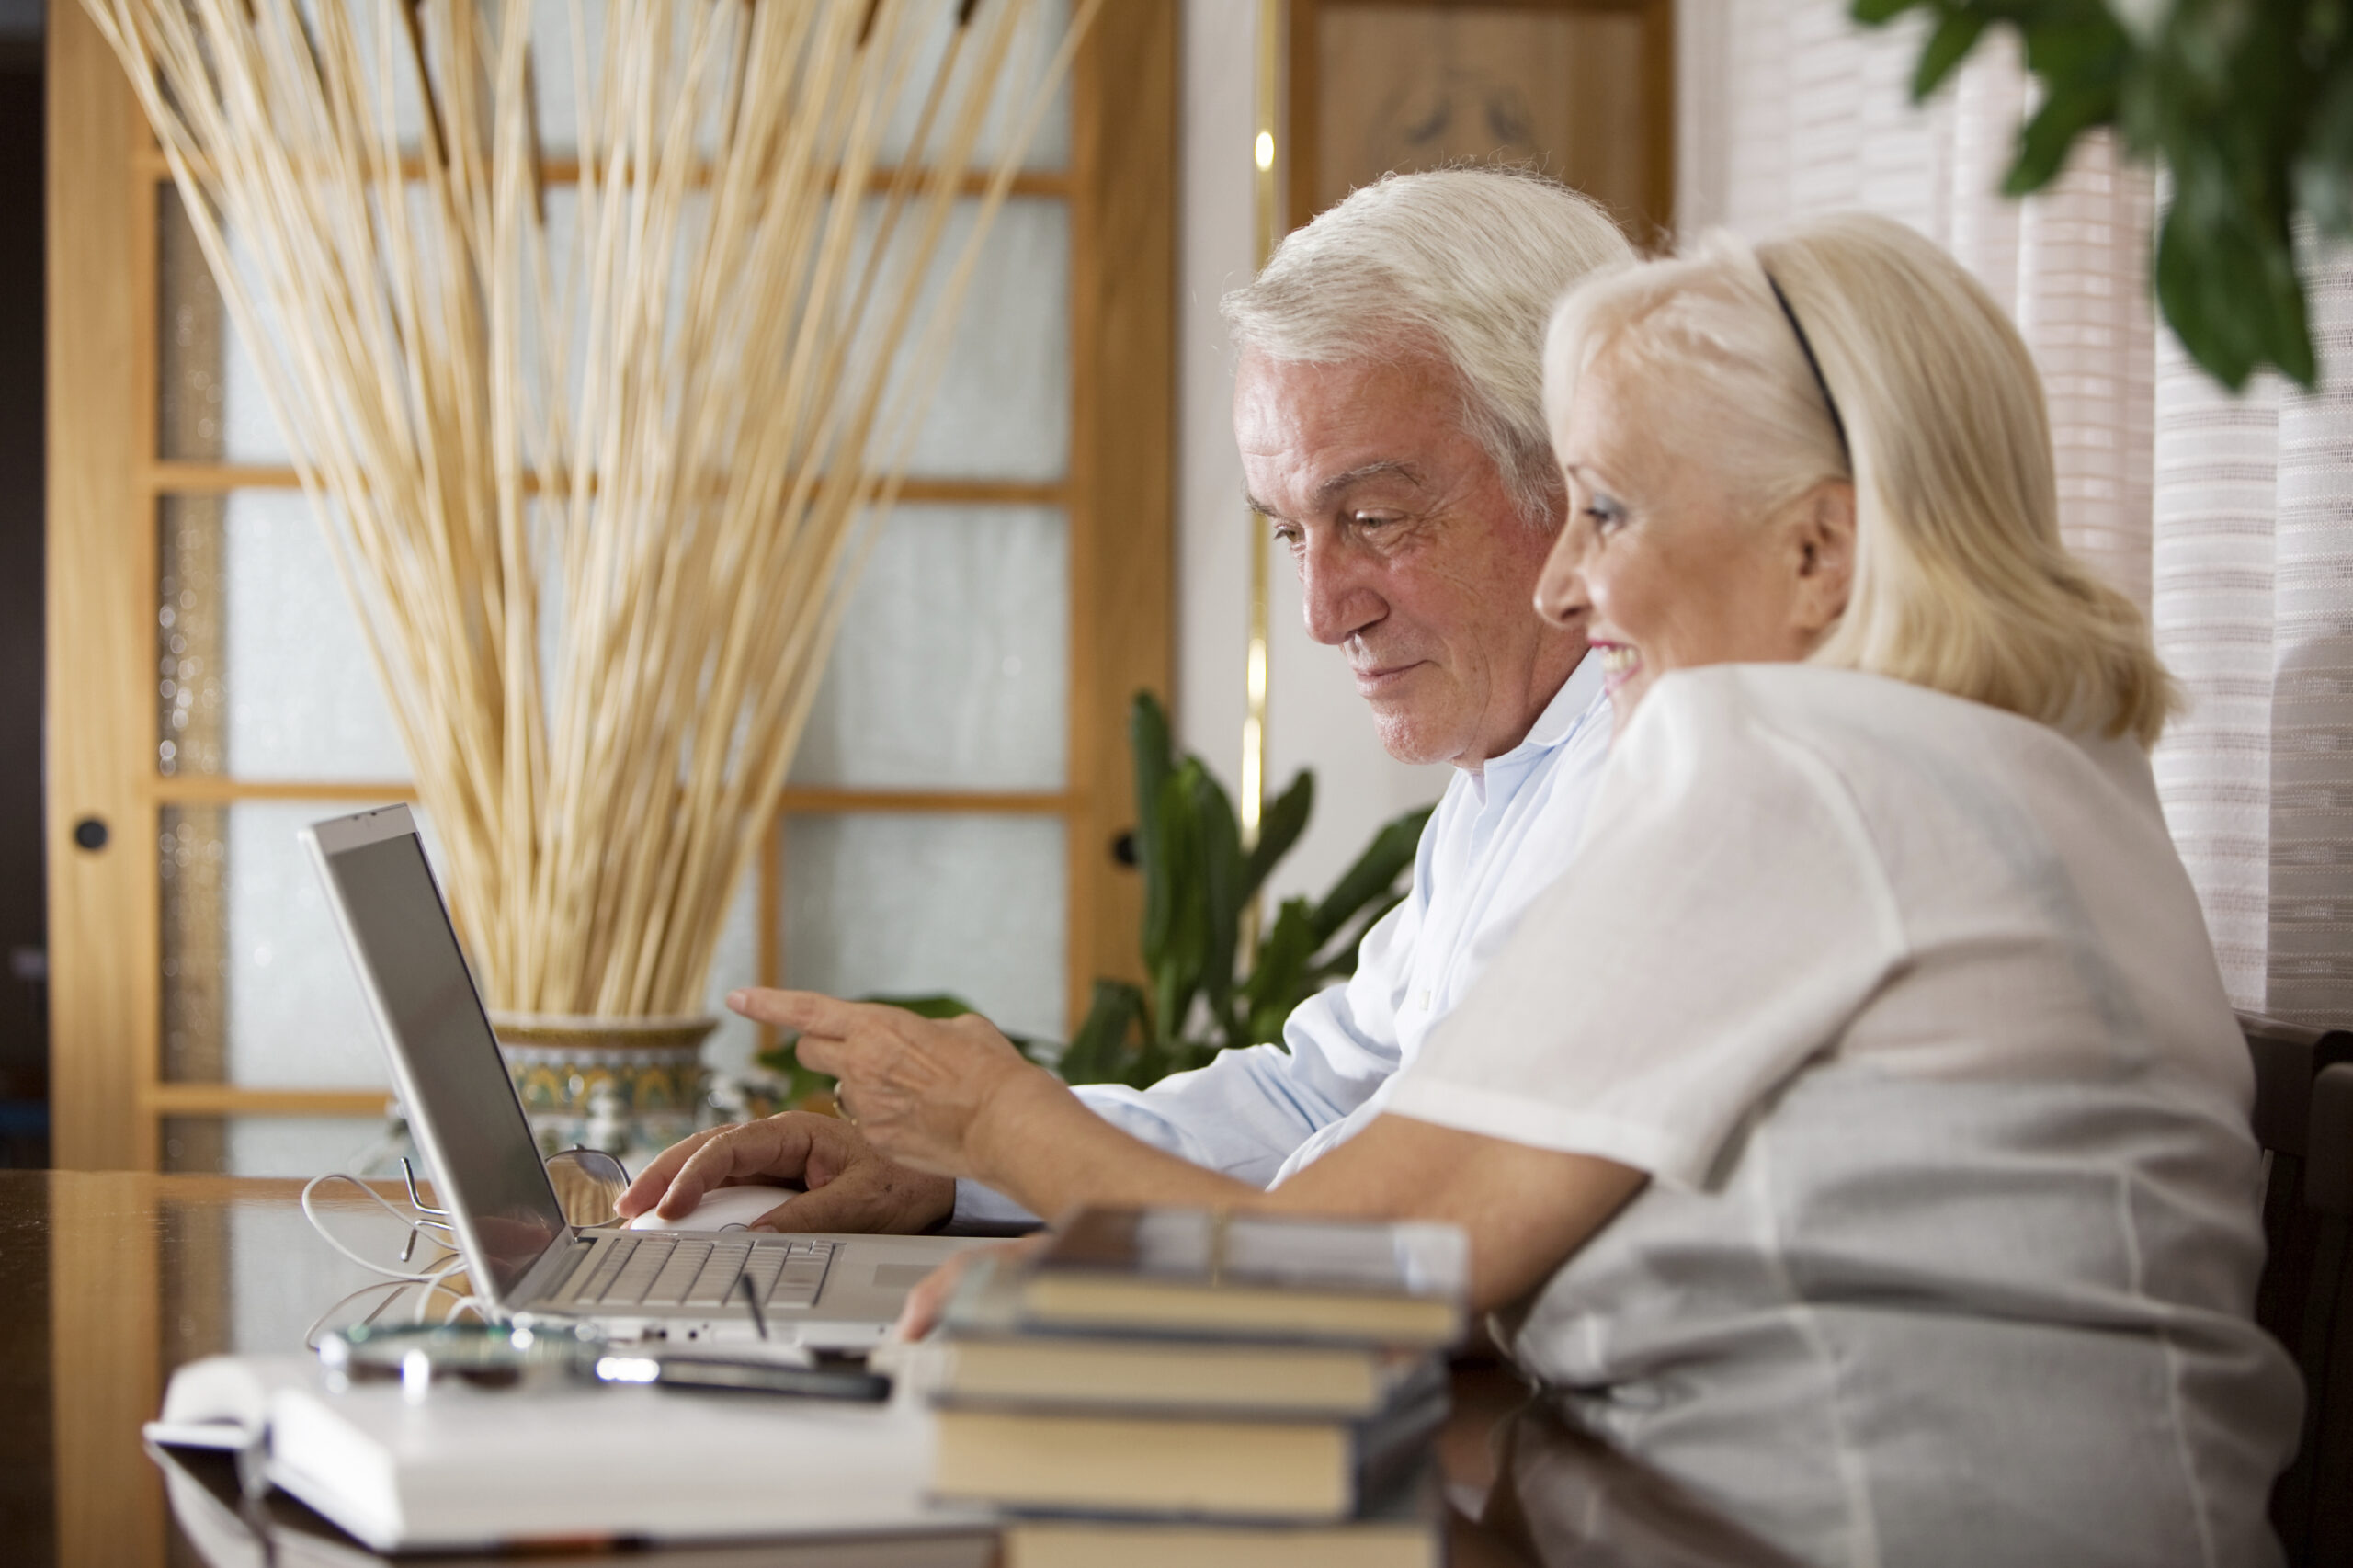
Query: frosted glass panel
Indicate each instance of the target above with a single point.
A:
(263, 669)
(303, 701)
(1026, 64)
(969, 904)
(952, 667)
(249, 429)
(295, 1014)
(556, 100)
(1002, 408)
(256, 986)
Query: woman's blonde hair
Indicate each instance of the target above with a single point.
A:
(1962, 583)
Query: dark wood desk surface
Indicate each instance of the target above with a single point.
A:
(109, 1280)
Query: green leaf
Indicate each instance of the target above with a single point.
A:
(1217, 841)
(2075, 47)
(1101, 1050)
(2226, 279)
(1178, 966)
(2286, 339)
(1280, 829)
(1278, 978)
(2050, 136)
(2323, 172)
(1877, 12)
(2181, 295)
(1955, 36)
(1389, 854)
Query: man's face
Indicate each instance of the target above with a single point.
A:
(1414, 561)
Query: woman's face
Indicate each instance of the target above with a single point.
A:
(1673, 572)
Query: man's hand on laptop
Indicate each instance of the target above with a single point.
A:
(851, 1186)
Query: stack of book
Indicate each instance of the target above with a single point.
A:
(1175, 1386)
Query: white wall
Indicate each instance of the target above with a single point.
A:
(1315, 717)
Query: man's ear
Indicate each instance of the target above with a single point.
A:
(1823, 547)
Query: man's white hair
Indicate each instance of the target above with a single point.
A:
(1463, 262)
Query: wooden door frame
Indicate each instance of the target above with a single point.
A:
(104, 983)
(1123, 479)
(107, 1095)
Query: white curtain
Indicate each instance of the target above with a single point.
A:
(2254, 580)
(2230, 518)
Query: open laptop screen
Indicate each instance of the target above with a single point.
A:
(485, 1166)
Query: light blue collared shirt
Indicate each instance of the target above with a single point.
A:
(1501, 834)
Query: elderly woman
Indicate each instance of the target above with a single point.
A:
(1855, 1135)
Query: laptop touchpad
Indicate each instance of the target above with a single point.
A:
(901, 1276)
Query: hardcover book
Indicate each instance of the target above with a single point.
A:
(1199, 1273)
(981, 1356)
(1053, 1461)
(1404, 1529)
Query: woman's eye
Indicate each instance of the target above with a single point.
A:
(1606, 514)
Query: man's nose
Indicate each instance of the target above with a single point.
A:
(1337, 599)
(1562, 597)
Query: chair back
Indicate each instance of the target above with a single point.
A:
(2303, 1117)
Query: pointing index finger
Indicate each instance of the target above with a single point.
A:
(811, 1012)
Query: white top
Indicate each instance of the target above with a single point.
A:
(1906, 1005)
(1499, 836)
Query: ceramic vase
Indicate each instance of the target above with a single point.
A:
(630, 1086)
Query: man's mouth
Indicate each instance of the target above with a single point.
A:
(1385, 675)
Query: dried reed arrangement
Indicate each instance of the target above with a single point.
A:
(598, 474)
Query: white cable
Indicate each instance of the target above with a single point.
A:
(435, 1287)
(434, 1277)
(393, 1279)
(311, 1334)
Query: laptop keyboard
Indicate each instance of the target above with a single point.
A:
(684, 1271)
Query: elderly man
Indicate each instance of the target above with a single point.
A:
(1388, 403)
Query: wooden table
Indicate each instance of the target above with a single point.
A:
(109, 1281)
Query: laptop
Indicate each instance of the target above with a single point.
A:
(524, 1261)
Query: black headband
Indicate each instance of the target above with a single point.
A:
(1806, 347)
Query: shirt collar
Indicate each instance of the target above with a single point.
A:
(1570, 706)
(1565, 714)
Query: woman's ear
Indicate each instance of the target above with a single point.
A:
(1823, 546)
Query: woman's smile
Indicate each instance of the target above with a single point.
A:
(1619, 663)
